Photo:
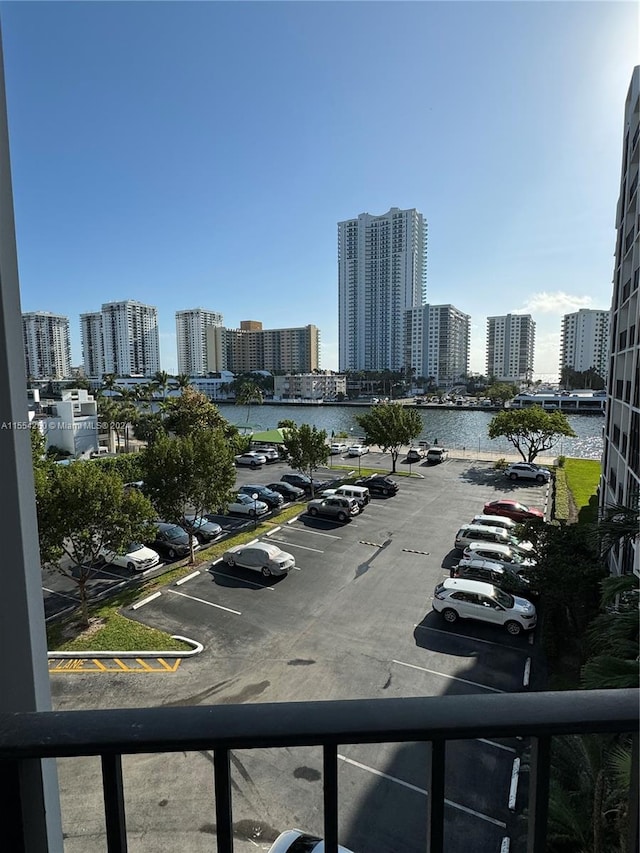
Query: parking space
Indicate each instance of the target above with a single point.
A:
(354, 620)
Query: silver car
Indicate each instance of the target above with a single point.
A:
(245, 505)
(262, 557)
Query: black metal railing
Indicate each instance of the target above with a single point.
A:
(110, 734)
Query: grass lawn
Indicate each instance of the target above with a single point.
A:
(583, 477)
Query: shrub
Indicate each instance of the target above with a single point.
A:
(560, 462)
(501, 464)
(561, 496)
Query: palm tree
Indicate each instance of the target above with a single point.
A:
(247, 393)
(182, 381)
(162, 380)
(110, 382)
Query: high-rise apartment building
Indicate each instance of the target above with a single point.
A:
(191, 339)
(130, 338)
(620, 483)
(510, 347)
(47, 347)
(295, 350)
(437, 343)
(92, 348)
(382, 268)
(584, 341)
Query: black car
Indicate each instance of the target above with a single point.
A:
(378, 485)
(273, 500)
(203, 529)
(304, 482)
(171, 540)
(288, 492)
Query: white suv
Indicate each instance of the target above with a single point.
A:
(528, 471)
(458, 598)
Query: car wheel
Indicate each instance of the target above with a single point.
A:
(449, 615)
(385, 492)
(266, 571)
(131, 566)
(514, 628)
(513, 476)
(540, 478)
(313, 511)
(171, 554)
(254, 464)
(230, 562)
(342, 516)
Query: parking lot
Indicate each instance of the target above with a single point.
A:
(353, 620)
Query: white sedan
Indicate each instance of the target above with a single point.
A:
(245, 505)
(261, 557)
(252, 458)
(357, 450)
(136, 557)
(292, 840)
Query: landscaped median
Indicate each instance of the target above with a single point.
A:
(576, 487)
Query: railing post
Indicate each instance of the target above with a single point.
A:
(539, 794)
(435, 806)
(634, 795)
(330, 797)
(114, 813)
(222, 779)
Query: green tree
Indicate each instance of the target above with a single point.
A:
(109, 417)
(307, 448)
(530, 430)
(162, 381)
(501, 392)
(183, 380)
(189, 475)
(248, 392)
(193, 411)
(390, 427)
(83, 508)
(287, 423)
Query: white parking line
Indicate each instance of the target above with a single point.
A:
(146, 600)
(513, 790)
(202, 601)
(422, 791)
(318, 533)
(450, 677)
(527, 673)
(471, 639)
(497, 745)
(242, 580)
(294, 545)
(61, 594)
(188, 578)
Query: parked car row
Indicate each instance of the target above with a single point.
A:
(489, 583)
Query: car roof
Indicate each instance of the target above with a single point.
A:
(271, 549)
(482, 527)
(479, 587)
(481, 563)
(497, 547)
(499, 519)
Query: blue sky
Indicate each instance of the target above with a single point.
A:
(200, 154)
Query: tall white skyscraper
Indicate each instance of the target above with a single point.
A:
(191, 339)
(130, 338)
(620, 483)
(92, 348)
(584, 341)
(510, 347)
(47, 347)
(382, 268)
(437, 341)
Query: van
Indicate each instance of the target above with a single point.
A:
(358, 493)
(469, 533)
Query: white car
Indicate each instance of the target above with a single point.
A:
(357, 450)
(338, 447)
(458, 598)
(252, 459)
(528, 471)
(136, 557)
(269, 453)
(262, 557)
(498, 552)
(245, 505)
(297, 841)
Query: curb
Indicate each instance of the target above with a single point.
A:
(197, 648)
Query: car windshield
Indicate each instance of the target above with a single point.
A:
(174, 532)
(133, 547)
(503, 598)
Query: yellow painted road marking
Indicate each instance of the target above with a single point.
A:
(90, 665)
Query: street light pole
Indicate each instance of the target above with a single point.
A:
(255, 510)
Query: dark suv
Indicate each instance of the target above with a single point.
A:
(171, 541)
(490, 572)
(272, 499)
(378, 485)
(304, 482)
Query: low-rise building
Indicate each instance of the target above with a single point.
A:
(70, 423)
(309, 386)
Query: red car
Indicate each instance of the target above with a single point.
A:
(514, 510)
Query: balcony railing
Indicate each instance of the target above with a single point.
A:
(110, 734)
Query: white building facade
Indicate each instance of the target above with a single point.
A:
(92, 347)
(309, 386)
(511, 347)
(584, 341)
(382, 269)
(191, 339)
(437, 343)
(130, 338)
(70, 424)
(620, 483)
(47, 347)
